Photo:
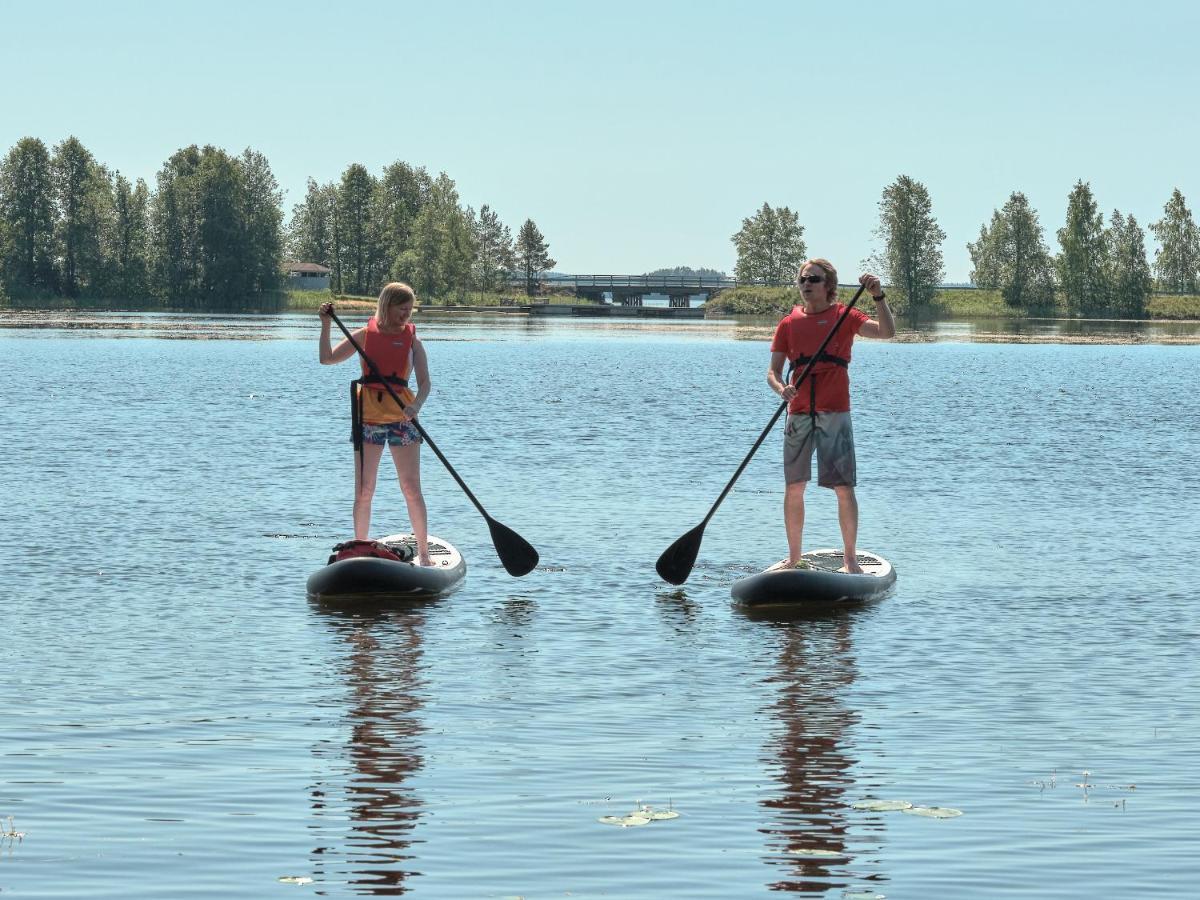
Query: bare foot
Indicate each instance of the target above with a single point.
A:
(425, 561)
(852, 568)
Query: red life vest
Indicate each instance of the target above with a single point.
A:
(799, 335)
(392, 354)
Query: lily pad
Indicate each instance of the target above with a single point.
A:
(872, 805)
(934, 812)
(624, 821)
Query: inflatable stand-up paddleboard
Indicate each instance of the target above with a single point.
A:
(818, 583)
(387, 569)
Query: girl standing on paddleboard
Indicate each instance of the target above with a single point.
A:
(390, 341)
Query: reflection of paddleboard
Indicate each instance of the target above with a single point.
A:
(820, 582)
(364, 577)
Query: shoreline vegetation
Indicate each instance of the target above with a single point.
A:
(974, 303)
(766, 302)
(1174, 319)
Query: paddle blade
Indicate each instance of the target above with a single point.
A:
(516, 554)
(675, 565)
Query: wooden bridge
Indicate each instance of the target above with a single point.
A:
(630, 290)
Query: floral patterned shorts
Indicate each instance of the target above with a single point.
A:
(394, 434)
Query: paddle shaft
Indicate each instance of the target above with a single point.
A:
(421, 431)
(779, 412)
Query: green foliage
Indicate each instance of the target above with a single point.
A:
(210, 233)
(689, 272)
(439, 259)
(1127, 273)
(1177, 261)
(753, 301)
(209, 243)
(27, 210)
(403, 192)
(127, 241)
(912, 253)
(495, 255)
(1081, 260)
(83, 199)
(262, 209)
(175, 227)
(1174, 306)
(983, 303)
(1012, 256)
(311, 232)
(770, 246)
(361, 267)
(533, 257)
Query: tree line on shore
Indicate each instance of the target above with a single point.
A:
(210, 235)
(406, 225)
(1098, 269)
(207, 237)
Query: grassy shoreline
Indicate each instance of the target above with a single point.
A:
(949, 303)
(756, 302)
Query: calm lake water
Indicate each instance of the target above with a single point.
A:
(179, 721)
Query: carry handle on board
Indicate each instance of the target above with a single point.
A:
(676, 562)
(516, 554)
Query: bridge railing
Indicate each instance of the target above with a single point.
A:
(650, 283)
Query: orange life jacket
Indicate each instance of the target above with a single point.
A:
(392, 355)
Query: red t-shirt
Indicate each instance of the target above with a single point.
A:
(801, 334)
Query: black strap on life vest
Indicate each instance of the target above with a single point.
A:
(356, 408)
(803, 360)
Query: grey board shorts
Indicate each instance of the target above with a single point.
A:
(833, 440)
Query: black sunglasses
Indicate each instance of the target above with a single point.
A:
(811, 279)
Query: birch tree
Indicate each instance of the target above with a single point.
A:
(1011, 256)
(1081, 258)
(911, 258)
(770, 246)
(1129, 283)
(27, 210)
(1177, 260)
(82, 203)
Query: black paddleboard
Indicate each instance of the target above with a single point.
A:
(372, 578)
(819, 582)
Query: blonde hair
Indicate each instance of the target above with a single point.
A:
(393, 293)
(831, 282)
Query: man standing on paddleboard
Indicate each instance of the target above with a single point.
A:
(819, 408)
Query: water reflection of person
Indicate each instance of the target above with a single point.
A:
(383, 675)
(807, 831)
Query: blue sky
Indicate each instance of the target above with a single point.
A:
(638, 135)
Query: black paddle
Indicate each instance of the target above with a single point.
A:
(516, 554)
(675, 564)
